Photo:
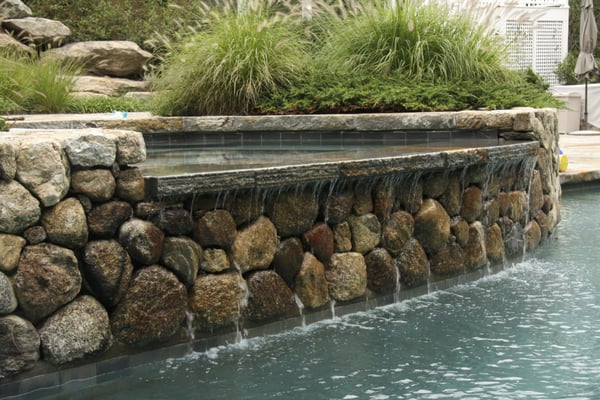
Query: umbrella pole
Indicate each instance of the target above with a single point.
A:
(585, 113)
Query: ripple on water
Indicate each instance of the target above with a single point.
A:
(529, 332)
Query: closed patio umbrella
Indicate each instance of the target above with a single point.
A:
(588, 35)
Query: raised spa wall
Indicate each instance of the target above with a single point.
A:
(95, 262)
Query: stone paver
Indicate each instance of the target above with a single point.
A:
(583, 152)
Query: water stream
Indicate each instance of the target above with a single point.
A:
(531, 332)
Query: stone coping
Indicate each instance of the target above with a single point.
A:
(518, 120)
(148, 123)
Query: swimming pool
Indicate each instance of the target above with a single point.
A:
(531, 331)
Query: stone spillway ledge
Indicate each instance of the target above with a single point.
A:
(265, 178)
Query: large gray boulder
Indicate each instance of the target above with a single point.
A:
(90, 150)
(38, 31)
(43, 168)
(19, 345)
(20, 209)
(112, 58)
(112, 87)
(14, 9)
(8, 155)
(79, 329)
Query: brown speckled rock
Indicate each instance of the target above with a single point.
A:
(269, 296)
(47, 278)
(79, 329)
(217, 300)
(153, 308)
(311, 284)
(347, 276)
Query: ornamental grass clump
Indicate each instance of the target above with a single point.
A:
(421, 41)
(238, 56)
(31, 85)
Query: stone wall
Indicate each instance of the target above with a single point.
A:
(88, 260)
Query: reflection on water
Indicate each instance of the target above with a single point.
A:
(191, 153)
(529, 332)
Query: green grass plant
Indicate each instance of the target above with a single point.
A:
(241, 55)
(423, 42)
(33, 86)
(83, 105)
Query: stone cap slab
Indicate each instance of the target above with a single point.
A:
(517, 120)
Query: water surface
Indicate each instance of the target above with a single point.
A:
(529, 332)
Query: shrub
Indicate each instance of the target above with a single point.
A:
(134, 20)
(321, 94)
(566, 70)
(241, 56)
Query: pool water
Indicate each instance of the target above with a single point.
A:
(195, 152)
(531, 331)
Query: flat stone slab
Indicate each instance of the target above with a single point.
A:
(264, 178)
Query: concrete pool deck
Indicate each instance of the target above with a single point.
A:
(582, 148)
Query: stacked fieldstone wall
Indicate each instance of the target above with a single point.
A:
(88, 260)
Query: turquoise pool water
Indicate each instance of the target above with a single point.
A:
(529, 332)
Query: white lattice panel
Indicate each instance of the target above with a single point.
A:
(520, 36)
(548, 49)
(537, 33)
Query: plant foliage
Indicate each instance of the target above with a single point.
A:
(30, 85)
(241, 55)
(422, 41)
(134, 20)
